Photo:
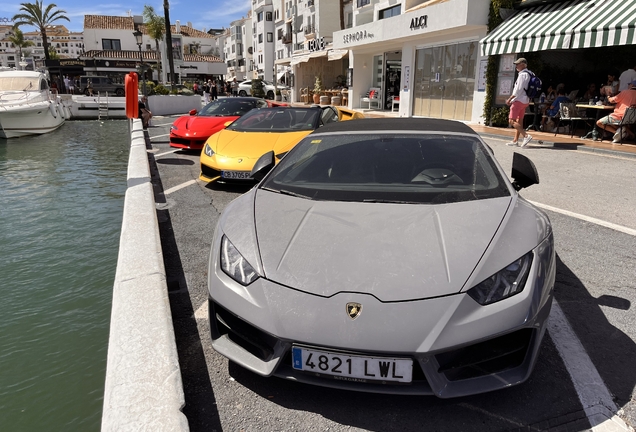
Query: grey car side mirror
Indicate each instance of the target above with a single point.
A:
(524, 172)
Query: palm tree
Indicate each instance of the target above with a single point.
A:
(39, 16)
(18, 40)
(166, 13)
(156, 27)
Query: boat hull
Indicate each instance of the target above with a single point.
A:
(32, 119)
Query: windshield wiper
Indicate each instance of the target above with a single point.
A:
(286, 192)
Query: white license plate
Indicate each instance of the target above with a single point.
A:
(352, 366)
(243, 175)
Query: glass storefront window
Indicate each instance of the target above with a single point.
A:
(444, 81)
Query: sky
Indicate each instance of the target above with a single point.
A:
(213, 14)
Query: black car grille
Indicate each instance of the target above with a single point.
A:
(187, 142)
(255, 341)
(485, 358)
(209, 172)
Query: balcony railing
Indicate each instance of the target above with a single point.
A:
(310, 29)
(287, 38)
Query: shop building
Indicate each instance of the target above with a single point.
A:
(111, 49)
(422, 57)
(575, 43)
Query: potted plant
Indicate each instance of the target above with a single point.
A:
(279, 96)
(258, 88)
(317, 90)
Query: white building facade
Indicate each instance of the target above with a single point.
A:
(423, 54)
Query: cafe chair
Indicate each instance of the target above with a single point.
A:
(568, 112)
(628, 120)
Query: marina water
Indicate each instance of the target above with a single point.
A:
(61, 203)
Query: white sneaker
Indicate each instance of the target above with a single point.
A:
(526, 140)
(512, 144)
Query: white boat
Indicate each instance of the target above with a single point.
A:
(27, 105)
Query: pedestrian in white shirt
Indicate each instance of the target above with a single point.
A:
(518, 102)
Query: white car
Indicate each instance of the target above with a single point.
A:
(245, 88)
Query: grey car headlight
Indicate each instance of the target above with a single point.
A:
(234, 265)
(503, 284)
(208, 150)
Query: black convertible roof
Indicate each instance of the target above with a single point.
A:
(396, 124)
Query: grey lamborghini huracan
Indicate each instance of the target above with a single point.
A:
(385, 255)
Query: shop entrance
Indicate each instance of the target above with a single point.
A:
(392, 73)
(387, 68)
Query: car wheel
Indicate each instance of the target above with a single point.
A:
(119, 92)
(242, 93)
(270, 95)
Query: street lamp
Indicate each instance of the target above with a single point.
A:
(139, 37)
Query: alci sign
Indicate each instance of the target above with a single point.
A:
(419, 22)
(316, 44)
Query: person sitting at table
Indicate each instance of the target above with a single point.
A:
(590, 93)
(623, 100)
(553, 110)
(611, 87)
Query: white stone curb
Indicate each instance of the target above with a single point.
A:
(143, 390)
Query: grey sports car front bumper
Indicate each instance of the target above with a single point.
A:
(458, 347)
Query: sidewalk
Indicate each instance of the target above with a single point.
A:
(539, 138)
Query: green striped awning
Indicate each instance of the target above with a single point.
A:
(613, 23)
(564, 25)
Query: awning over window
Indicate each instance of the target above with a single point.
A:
(564, 25)
(336, 54)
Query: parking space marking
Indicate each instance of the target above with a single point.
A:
(164, 124)
(181, 186)
(166, 153)
(590, 219)
(159, 136)
(594, 396)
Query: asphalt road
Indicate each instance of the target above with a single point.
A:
(583, 376)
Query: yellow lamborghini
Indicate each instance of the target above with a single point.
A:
(231, 153)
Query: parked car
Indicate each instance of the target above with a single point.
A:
(230, 154)
(245, 88)
(191, 131)
(100, 84)
(385, 255)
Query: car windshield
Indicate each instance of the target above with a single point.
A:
(426, 168)
(230, 107)
(277, 120)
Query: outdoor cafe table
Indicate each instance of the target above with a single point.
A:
(599, 109)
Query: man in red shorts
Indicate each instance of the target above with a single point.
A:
(518, 102)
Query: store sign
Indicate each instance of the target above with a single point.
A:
(72, 63)
(357, 36)
(316, 44)
(419, 22)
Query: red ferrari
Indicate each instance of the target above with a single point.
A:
(191, 131)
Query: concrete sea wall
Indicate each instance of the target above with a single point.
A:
(143, 390)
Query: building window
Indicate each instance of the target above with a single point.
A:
(268, 16)
(361, 3)
(270, 37)
(280, 34)
(349, 20)
(260, 38)
(390, 12)
(111, 44)
(260, 16)
(148, 46)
